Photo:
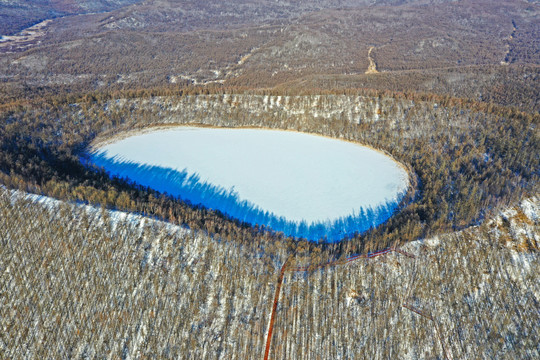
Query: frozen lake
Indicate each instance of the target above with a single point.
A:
(304, 185)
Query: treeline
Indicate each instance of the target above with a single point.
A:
(468, 161)
(184, 89)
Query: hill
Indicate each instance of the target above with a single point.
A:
(86, 282)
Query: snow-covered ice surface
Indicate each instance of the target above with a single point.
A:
(304, 185)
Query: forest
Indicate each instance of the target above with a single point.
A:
(447, 48)
(469, 159)
(86, 282)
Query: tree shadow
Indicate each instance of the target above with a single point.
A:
(186, 186)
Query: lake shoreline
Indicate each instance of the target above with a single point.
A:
(301, 184)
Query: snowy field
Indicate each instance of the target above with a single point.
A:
(303, 185)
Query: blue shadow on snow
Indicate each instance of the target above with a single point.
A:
(190, 187)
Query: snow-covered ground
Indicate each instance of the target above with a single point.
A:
(107, 284)
(276, 178)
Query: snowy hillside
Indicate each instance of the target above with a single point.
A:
(90, 283)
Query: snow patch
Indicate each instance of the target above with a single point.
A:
(531, 208)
